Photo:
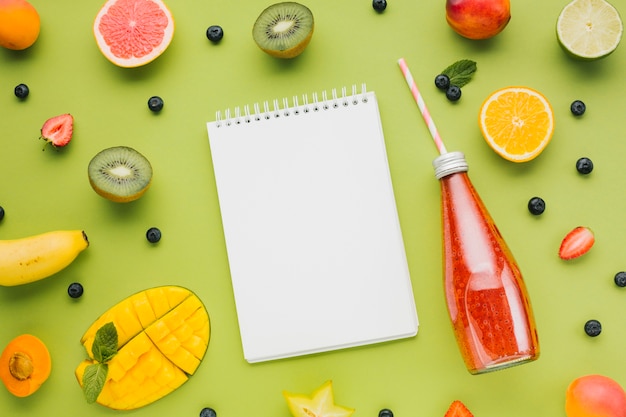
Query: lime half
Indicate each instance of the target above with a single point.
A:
(589, 29)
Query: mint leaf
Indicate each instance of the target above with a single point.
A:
(93, 380)
(461, 72)
(105, 343)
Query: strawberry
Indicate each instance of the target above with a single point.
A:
(58, 130)
(576, 243)
(458, 409)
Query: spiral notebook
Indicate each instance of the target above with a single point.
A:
(314, 245)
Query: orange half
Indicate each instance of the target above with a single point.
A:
(517, 123)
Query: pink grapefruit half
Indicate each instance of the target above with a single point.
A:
(131, 33)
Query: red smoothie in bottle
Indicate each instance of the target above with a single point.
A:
(485, 293)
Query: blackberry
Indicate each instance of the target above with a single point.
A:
(153, 235)
(620, 279)
(578, 108)
(21, 91)
(442, 82)
(593, 328)
(385, 412)
(215, 33)
(208, 412)
(536, 205)
(155, 104)
(75, 290)
(584, 165)
(379, 5)
(453, 93)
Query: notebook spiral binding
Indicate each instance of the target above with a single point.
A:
(276, 111)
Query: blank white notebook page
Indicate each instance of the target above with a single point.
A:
(314, 245)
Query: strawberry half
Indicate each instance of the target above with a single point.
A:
(458, 409)
(576, 243)
(58, 130)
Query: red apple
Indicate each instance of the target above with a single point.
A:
(478, 19)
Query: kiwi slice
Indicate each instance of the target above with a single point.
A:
(284, 29)
(120, 174)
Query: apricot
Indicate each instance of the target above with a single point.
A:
(478, 19)
(595, 396)
(24, 365)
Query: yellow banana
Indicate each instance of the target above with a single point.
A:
(36, 257)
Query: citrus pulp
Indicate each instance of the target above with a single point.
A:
(589, 29)
(131, 33)
(517, 123)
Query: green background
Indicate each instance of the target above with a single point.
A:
(49, 190)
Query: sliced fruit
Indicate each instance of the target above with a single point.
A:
(120, 174)
(576, 243)
(25, 365)
(517, 123)
(58, 130)
(131, 33)
(589, 29)
(163, 334)
(319, 404)
(19, 24)
(284, 30)
(458, 409)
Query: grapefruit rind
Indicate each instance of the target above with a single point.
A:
(117, 22)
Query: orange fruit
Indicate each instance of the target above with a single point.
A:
(517, 123)
(131, 33)
(19, 24)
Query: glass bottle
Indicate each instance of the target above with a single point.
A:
(485, 293)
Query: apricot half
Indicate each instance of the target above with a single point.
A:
(595, 396)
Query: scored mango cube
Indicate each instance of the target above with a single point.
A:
(163, 334)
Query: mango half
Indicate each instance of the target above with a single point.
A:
(163, 335)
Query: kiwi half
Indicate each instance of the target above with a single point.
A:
(284, 29)
(120, 174)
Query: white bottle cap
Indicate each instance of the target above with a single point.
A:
(449, 163)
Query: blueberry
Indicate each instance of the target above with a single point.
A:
(578, 108)
(155, 103)
(75, 290)
(1, 213)
(593, 328)
(536, 205)
(208, 412)
(215, 33)
(379, 5)
(453, 93)
(620, 279)
(385, 412)
(442, 81)
(153, 235)
(21, 91)
(584, 166)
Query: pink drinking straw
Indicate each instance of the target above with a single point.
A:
(422, 106)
